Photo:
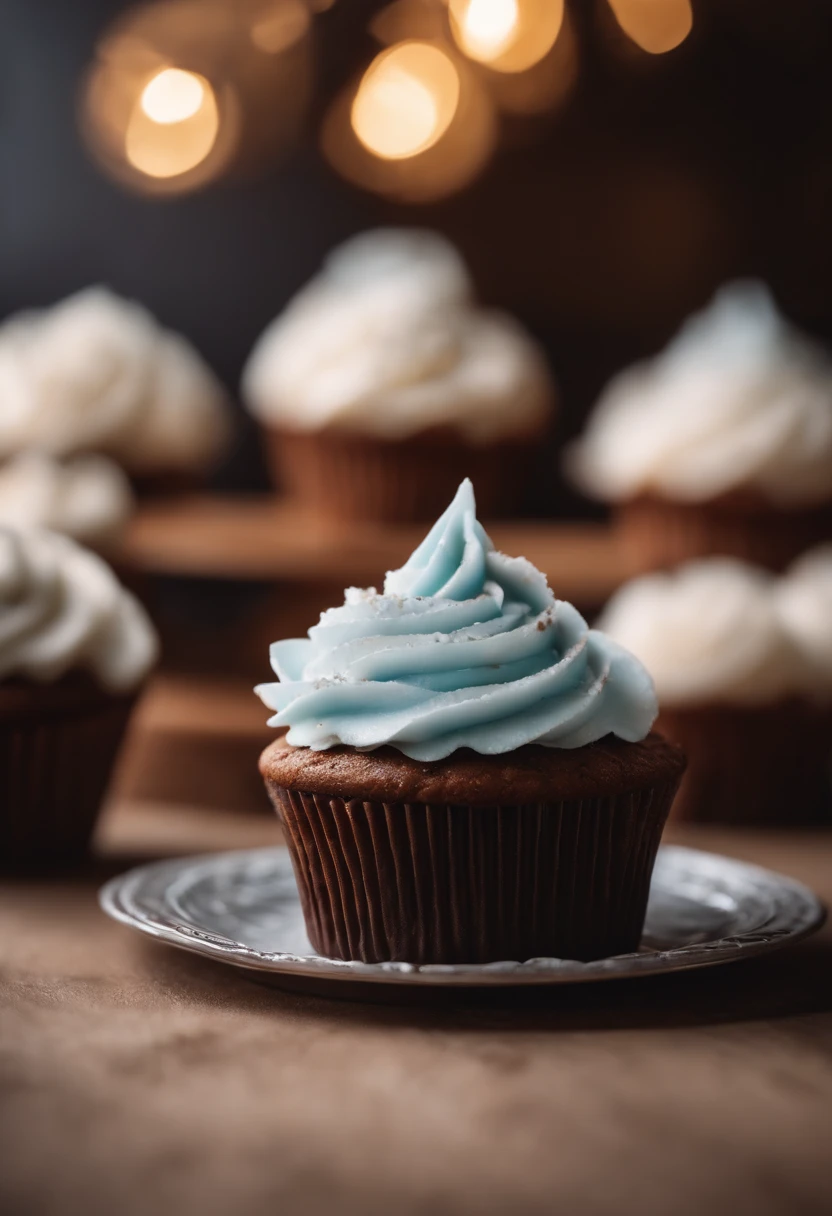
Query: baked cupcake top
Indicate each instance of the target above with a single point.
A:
(738, 401)
(63, 610)
(388, 341)
(529, 774)
(97, 373)
(465, 647)
(721, 631)
(87, 497)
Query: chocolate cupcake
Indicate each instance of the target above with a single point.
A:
(468, 773)
(721, 445)
(383, 384)
(743, 669)
(75, 648)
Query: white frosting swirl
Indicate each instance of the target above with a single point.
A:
(388, 341)
(805, 605)
(62, 609)
(738, 400)
(88, 497)
(708, 632)
(96, 373)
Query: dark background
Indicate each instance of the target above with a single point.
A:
(660, 177)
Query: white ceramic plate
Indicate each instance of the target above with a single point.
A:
(242, 908)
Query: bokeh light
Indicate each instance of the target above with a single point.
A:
(416, 126)
(181, 92)
(506, 35)
(657, 26)
(173, 95)
(487, 27)
(174, 124)
(406, 100)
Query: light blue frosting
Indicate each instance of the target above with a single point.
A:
(465, 648)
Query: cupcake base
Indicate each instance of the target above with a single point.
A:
(58, 745)
(344, 476)
(475, 859)
(657, 533)
(762, 766)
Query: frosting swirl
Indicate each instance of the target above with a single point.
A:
(707, 632)
(96, 373)
(387, 340)
(804, 601)
(739, 400)
(88, 497)
(721, 631)
(62, 609)
(465, 648)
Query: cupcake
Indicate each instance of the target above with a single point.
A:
(86, 497)
(722, 444)
(96, 373)
(383, 382)
(742, 663)
(467, 773)
(75, 648)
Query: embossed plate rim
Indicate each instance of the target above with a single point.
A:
(798, 912)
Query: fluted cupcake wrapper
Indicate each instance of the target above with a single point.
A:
(353, 477)
(55, 767)
(425, 883)
(658, 533)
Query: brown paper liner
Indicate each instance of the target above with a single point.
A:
(770, 765)
(423, 883)
(58, 745)
(351, 477)
(658, 534)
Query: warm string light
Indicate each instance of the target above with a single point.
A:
(172, 95)
(406, 100)
(420, 122)
(181, 92)
(657, 26)
(417, 125)
(173, 125)
(487, 27)
(506, 35)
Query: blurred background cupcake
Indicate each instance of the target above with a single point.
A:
(88, 498)
(720, 444)
(96, 373)
(383, 384)
(742, 663)
(75, 650)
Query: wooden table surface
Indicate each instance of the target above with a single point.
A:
(136, 1080)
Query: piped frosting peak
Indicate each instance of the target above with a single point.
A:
(465, 647)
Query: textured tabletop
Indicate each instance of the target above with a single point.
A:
(137, 1080)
